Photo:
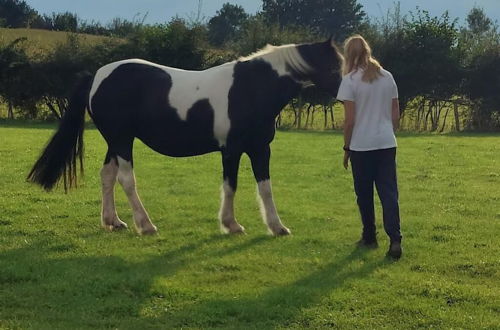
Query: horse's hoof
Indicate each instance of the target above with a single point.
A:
(234, 229)
(119, 226)
(239, 231)
(150, 230)
(283, 231)
(115, 226)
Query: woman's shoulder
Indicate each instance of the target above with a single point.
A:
(385, 72)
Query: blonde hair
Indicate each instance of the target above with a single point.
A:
(358, 54)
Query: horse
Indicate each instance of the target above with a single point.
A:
(230, 108)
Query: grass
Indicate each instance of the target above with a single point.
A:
(59, 269)
(43, 40)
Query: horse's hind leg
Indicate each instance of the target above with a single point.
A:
(126, 178)
(109, 217)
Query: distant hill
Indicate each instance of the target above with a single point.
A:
(43, 39)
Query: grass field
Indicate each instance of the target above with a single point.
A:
(43, 40)
(60, 270)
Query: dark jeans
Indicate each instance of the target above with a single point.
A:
(379, 167)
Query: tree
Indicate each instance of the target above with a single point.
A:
(478, 21)
(256, 33)
(226, 24)
(63, 22)
(16, 13)
(15, 74)
(339, 18)
(173, 44)
(480, 45)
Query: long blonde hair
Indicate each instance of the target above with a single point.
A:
(358, 54)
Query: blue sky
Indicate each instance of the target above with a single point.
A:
(164, 10)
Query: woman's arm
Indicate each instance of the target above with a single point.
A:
(348, 122)
(348, 127)
(395, 114)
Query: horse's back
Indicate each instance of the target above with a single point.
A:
(134, 98)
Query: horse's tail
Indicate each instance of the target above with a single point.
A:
(65, 149)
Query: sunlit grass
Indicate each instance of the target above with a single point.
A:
(59, 269)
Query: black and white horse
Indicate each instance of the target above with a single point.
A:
(230, 108)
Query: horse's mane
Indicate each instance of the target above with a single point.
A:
(285, 54)
(267, 49)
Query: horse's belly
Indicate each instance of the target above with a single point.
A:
(179, 142)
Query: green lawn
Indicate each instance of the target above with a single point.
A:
(60, 270)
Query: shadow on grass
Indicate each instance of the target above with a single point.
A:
(279, 306)
(42, 289)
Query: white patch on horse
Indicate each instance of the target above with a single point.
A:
(268, 209)
(188, 87)
(126, 178)
(228, 222)
(109, 217)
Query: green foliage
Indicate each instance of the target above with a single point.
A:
(483, 86)
(61, 270)
(256, 33)
(226, 24)
(16, 14)
(339, 18)
(421, 52)
(62, 22)
(15, 74)
(173, 44)
(479, 44)
(436, 63)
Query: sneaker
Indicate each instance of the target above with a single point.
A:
(395, 250)
(368, 243)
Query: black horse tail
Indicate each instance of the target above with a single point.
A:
(65, 149)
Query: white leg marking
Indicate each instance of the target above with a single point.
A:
(109, 217)
(268, 209)
(226, 214)
(127, 180)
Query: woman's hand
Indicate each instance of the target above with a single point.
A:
(347, 155)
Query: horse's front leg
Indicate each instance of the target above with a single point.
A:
(230, 164)
(260, 165)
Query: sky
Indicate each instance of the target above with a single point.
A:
(159, 11)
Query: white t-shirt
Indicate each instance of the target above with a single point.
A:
(373, 127)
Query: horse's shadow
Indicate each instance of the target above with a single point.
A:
(70, 288)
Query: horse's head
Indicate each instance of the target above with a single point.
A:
(325, 62)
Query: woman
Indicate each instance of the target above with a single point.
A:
(371, 106)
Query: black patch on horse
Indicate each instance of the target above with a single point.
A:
(133, 102)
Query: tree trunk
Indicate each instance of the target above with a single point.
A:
(53, 110)
(308, 112)
(299, 122)
(457, 118)
(427, 117)
(332, 115)
(10, 113)
(444, 120)
(294, 114)
(325, 111)
(278, 121)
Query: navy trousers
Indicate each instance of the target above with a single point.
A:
(377, 167)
